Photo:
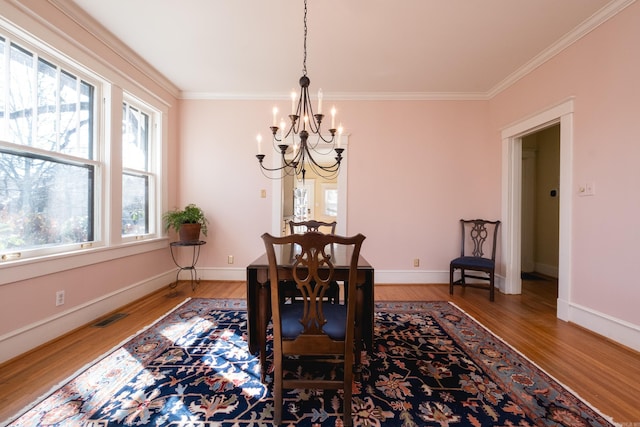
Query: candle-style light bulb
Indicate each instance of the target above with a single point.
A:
(319, 101)
(275, 113)
(333, 117)
(339, 135)
(259, 139)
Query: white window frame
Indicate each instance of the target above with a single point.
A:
(110, 86)
(154, 166)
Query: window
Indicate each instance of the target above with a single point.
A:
(73, 187)
(48, 164)
(137, 180)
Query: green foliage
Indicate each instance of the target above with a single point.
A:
(191, 214)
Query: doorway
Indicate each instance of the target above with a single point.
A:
(337, 200)
(512, 137)
(540, 203)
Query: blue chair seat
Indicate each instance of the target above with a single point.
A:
(336, 315)
(472, 262)
(478, 242)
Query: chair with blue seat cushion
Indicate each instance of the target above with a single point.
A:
(310, 327)
(333, 294)
(477, 255)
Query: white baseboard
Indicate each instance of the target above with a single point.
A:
(381, 276)
(31, 336)
(616, 330)
(235, 273)
(547, 270)
(411, 276)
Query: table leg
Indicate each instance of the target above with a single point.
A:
(258, 315)
(368, 306)
(264, 314)
(252, 303)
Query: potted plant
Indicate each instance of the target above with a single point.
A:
(188, 222)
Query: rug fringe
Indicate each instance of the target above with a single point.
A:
(569, 389)
(87, 366)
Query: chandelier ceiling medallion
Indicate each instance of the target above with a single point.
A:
(298, 154)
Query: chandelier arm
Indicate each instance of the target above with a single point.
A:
(328, 168)
(303, 120)
(324, 172)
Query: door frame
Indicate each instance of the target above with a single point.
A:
(512, 196)
(277, 191)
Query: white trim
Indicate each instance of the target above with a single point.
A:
(539, 367)
(511, 189)
(615, 329)
(31, 336)
(548, 270)
(343, 96)
(124, 52)
(607, 326)
(603, 15)
(597, 19)
(15, 271)
(276, 189)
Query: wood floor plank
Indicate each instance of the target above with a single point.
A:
(604, 373)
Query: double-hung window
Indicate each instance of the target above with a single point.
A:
(138, 168)
(50, 166)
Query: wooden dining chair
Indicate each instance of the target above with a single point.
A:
(333, 294)
(311, 327)
(312, 225)
(477, 258)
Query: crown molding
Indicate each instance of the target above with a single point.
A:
(597, 19)
(81, 18)
(343, 96)
(110, 41)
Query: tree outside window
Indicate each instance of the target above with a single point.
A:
(47, 166)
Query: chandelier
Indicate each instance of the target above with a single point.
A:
(297, 156)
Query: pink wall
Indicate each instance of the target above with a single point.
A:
(25, 303)
(602, 72)
(415, 168)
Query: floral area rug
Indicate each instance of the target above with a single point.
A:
(432, 365)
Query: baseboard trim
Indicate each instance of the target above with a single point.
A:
(31, 336)
(381, 276)
(612, 328)
(547, 270)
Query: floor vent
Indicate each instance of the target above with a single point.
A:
(109, 320)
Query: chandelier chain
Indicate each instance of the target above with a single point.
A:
(304, 59)
(298, 155)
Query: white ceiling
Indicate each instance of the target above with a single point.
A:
(359, 49)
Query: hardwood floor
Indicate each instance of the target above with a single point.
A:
(602, 372)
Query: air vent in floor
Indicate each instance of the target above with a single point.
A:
(109, 320)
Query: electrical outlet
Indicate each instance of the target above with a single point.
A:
(230, 259)
(59, 298)
(263, 193)
(588, 189)
(416, 262)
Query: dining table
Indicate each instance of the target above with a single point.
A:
(259, 295)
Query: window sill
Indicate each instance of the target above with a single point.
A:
(14, 271)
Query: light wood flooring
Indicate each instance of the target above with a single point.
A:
(604, 373)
